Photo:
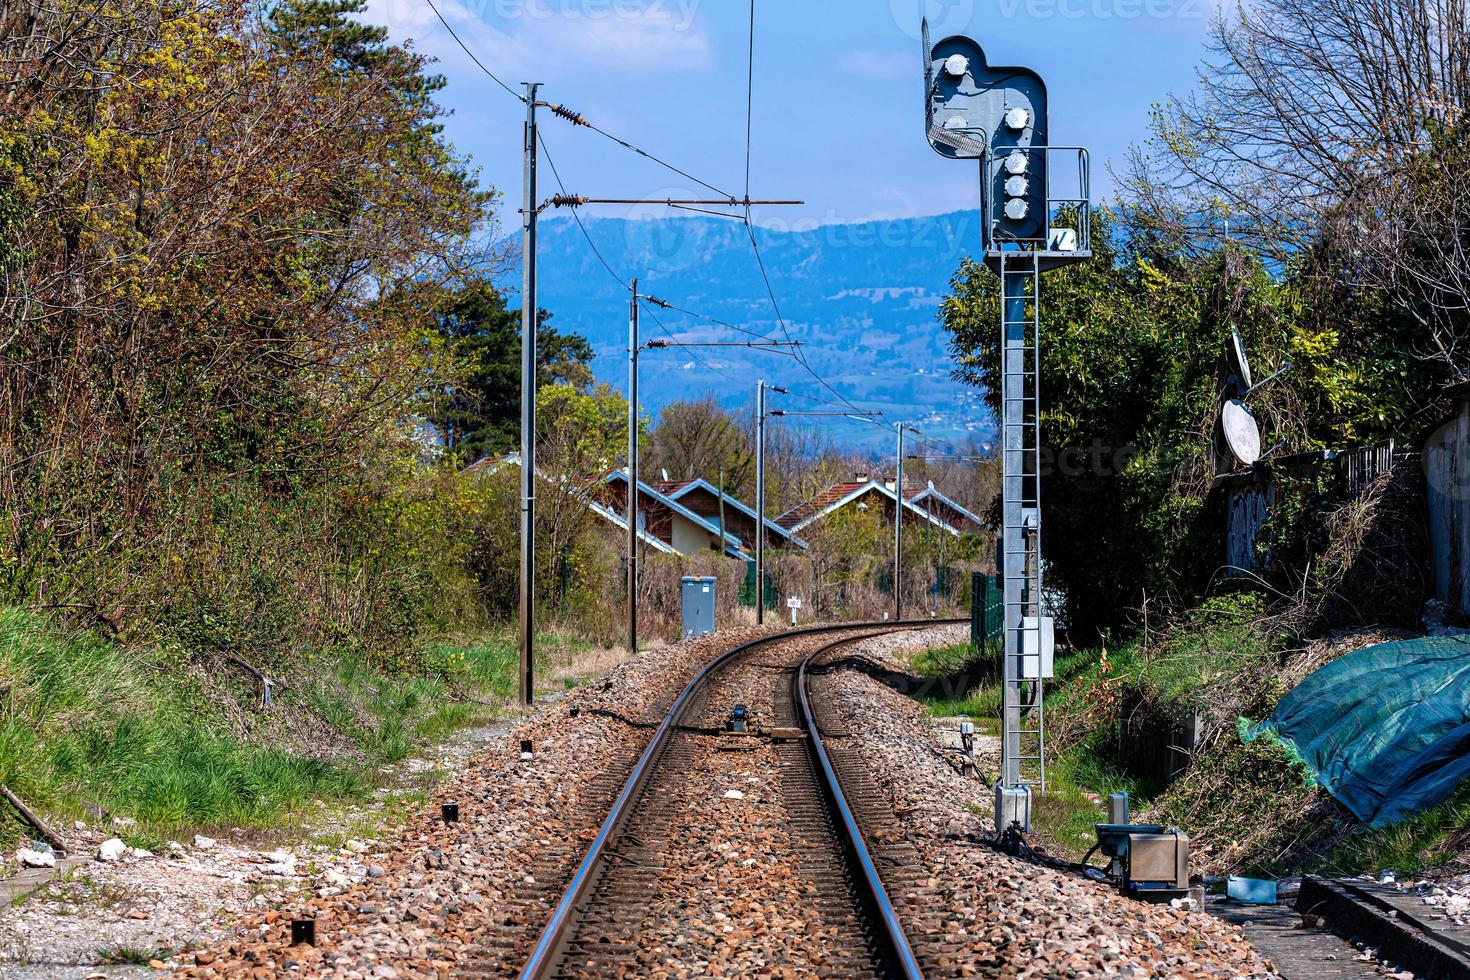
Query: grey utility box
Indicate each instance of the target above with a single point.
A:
(698, 595)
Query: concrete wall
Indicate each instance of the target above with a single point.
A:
(1447, 473)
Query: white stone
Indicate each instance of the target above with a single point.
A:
(112, 849)
(734, 794)
(204, 843)
(30, 858)
(140, 852)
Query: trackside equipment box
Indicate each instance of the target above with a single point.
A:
(698, 600)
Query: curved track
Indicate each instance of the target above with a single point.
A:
(652, 865)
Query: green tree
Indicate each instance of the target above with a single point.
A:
(700, 439)
(251, 217)
(1133, 363)
(480, 412)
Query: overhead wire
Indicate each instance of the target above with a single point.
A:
(659, 160)
(718, 322)
(624, 283)
(465, 48)
(674, 342)
(795, 351)
(749, 226)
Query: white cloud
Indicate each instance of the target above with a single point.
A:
(518, 37)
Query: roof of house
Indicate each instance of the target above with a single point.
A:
(733, 544)
(487, 465)
(931, 492)
(674, 489)
(802, 513)
(839, 495)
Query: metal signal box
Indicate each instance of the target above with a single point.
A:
(1012, 808)
(698, 603)
(1158, 862)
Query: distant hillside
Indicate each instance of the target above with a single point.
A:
(862, 299)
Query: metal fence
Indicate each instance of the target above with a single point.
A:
(987, 612)
(747, 589)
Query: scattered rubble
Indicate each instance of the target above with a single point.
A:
(415, 904)
(112, 849)
(1449, 897)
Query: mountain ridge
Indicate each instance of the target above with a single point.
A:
(862, 298)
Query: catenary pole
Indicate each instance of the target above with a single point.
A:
(633, 346)
(528, 404)
(898, 531)
(760, 502)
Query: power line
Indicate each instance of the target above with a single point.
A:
(730, 326)
(691, 351)
(658, 160)
(750, 231)
(749, 101)
(749, 227)
(624, 283)
(514, 94)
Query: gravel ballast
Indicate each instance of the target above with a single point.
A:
(1002, 915)
(471, 898)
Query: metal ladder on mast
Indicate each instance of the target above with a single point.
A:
(1023, 710)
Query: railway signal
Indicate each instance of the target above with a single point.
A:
(997, 116)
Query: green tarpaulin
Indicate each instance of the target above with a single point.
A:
(1386, 729)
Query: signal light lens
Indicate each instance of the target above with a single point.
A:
(1018, 118)
(1017, 186)
(1017, 208)
(1016, 163)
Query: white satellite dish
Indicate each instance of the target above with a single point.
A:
(1242, 363)
(1242, 433)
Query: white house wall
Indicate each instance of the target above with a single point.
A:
(688, 537)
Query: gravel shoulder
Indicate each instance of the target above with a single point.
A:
(1005, 916)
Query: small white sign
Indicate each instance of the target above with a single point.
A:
(794, 602)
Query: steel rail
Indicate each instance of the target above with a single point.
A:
(894, 944)
(549, 946)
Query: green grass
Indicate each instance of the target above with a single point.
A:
(86, 722)
(1246, 805)
(1418, 844)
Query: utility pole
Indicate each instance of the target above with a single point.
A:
(898, 531)
(760, 502)
(760, 496)
(898, 524)
(898, 489)
(529, 210)
(633, 347)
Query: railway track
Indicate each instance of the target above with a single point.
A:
(745, 851)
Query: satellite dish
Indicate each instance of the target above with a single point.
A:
(1242, 363)
(1242, 433)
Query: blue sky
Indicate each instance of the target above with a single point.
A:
(838, 108)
